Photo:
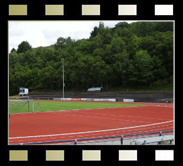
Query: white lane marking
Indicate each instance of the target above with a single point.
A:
(95, 131)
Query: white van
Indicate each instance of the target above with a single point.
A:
(23, 91)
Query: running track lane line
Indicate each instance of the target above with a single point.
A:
(96, 131)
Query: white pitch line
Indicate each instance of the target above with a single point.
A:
(86, 132)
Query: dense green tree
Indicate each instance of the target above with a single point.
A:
(122, 25)
(117, 45)
(142, 29)
(164, 26)
(97, 30)
(136, 54)
(121, 66)
(23, 47)
(164, 49)
(141, 68)
(133, 45)
(63, 42)
(12, 50)
(13, 59)
(96, 42)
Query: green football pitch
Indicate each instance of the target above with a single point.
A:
(41, 106)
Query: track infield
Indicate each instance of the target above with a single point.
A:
(90, 122)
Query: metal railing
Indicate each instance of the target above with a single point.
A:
(148, 137)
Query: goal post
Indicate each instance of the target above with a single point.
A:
(23, 105)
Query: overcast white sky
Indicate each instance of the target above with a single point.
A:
(45, 33)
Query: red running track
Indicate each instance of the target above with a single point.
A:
(76, 124)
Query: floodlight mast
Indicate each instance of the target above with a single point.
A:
(62, 59)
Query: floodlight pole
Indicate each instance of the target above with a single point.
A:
(62, 59)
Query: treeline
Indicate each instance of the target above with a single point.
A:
(128, 55)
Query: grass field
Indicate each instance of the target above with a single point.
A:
(42, 106)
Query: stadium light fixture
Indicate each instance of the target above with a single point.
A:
(62, 59)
